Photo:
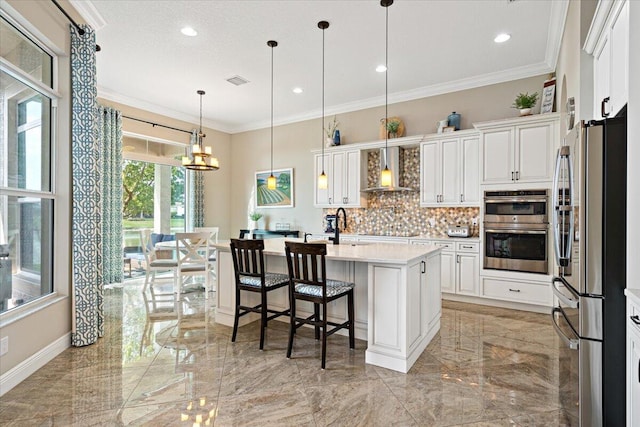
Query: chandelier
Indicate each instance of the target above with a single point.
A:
(200, 158)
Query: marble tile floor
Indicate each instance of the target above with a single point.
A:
(161, 366)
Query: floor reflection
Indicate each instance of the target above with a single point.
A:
(164, 362)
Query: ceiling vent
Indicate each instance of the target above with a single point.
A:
(237, 80)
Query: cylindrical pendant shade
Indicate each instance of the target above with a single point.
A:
(271, 182)
(322, 181)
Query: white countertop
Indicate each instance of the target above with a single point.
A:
(633, 295)
(384, 253)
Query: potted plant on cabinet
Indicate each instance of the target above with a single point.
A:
(330, 131)
(525, 102)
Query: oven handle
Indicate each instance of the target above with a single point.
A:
(512, 231)
(570, 302)
(517, 200)
(573, 344)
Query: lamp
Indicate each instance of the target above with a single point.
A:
(271, 181)
(201, 158)
(322, 179)
(385, 175)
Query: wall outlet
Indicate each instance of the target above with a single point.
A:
(432, 222)
(474, 220)
(4, 346)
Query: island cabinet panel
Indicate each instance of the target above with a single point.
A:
(387, 293)
(433, 304)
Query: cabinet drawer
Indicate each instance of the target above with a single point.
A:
(468, 247)
(446, 246)
(532, 293)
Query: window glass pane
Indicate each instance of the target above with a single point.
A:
(24, 54)
(25, 148)
(26, 233)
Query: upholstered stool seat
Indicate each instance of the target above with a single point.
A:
(270, 280)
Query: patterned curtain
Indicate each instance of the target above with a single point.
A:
(110, 140)
(86, 218)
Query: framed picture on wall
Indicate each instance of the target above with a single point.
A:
(548, 96)
(282, 196)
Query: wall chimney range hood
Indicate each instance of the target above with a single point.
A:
(393, 161)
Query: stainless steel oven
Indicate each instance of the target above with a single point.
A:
(516, 231)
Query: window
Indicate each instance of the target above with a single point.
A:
(26, 194)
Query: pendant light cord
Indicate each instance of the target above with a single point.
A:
(322, 121)
(272, 46)
(386, 88)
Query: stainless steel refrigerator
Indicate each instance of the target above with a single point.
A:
(589, 233)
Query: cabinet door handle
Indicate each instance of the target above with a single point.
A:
(512, 176)
(467, 247)
(635, 319)
(329, 200)
(603, 108)
(517, 175)
(423, 267)
(458, 259)
(461, 198)
(514, 290)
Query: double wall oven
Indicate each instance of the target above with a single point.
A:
(516, 230)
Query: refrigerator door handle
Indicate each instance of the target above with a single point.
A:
(570, 302)
(563, 254)
(572, 343)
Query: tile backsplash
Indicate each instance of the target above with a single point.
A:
(399, 213)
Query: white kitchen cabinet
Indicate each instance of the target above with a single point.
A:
(449, 174)
(460, 267)
(467, 269)
(344, 180)
(520, 150)
(633, 364)
(608, 42)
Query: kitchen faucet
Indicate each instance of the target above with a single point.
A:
(336, 237)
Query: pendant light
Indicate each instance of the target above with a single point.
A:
(322, 179)
(200, 158)
(271, 181)
(385, 175)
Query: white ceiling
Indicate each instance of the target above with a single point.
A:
(435, 46)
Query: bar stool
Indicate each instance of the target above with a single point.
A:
(308, 282)
(248, 265)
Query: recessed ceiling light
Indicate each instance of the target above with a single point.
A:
(381, 68)
(501, 38)
(297, 90)
(188, 31)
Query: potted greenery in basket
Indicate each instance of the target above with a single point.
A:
(254, 217)
(392, 127)
(525, 102)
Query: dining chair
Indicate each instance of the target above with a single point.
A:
(192, 250)
(248, 266)
(155, 264)
(212, 252)
(308, 282)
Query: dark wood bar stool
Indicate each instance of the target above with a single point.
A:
(248, 265)
(308, 282)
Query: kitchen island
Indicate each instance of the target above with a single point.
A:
(397, 295)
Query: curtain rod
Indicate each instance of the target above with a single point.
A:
(75, 24)
(157, 124)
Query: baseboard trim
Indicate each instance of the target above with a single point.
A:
(497, 303)
(22, 371)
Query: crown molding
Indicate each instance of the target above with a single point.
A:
(157, 109)
(598, 24)
(557, 22)
(410, 95)
(89, 13)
